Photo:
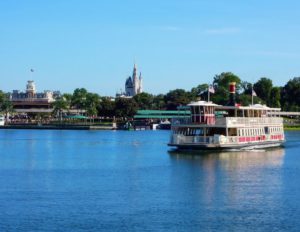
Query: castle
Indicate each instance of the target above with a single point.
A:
(134, 84)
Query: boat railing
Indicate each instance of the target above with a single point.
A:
(182, 139)
(239, 121)
(181, 121)
(233, 121)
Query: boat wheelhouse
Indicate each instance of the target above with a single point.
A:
(212, 126)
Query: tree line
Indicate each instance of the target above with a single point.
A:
(286, 97)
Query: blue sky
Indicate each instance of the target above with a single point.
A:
(175, 43)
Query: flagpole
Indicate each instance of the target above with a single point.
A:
(208, 94)
(252, 95)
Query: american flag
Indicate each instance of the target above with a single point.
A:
(211, 89)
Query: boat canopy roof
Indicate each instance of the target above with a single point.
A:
(202, 103)
(239, 107)
(250, 107)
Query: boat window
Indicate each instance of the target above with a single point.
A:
(232, 132)
(199, 131)
(267, 130)
(216, 130)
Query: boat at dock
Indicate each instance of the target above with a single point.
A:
(212, 126)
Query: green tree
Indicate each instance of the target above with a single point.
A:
(2, 97)
(263, 88)
(6, 107)
(159, 102)
(199, 90)
(223, 80)
(91, 103)
(144, 101)
(176, 98)
(79, 98)
(221, 85)
(125, 107)
(275, 97)
(59, 106)
(106, 107)
(246, 87)
(291, 95)
(68, 98)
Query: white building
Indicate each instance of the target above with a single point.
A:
(133, 84)
(31, 99)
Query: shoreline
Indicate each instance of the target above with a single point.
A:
(59, 127)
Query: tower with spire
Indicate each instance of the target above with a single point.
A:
(134, 84)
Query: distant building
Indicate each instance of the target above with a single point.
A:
(133, 84)
(31, 100)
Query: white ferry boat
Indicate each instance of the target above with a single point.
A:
(213, 126)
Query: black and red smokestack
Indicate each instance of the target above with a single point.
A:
(232, 94)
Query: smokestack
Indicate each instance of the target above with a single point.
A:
(232, 94)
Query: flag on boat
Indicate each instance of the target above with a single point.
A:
(253, 93)
(211, 89)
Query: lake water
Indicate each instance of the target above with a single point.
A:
(131, 181)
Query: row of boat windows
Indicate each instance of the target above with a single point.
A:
(200, 131)
(231, 131)
(259, 131)
(201, 110)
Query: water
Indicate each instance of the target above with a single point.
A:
(131, 181)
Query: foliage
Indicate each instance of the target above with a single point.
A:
(200, 90)
(84, 100)
(91, 103)
(144, 101)
(221, 86)
(274, 100)
(222, 80)
(59, 105)
(287, 97)
(6, 105)
(125, 107)
(159, 102)
(291, 95)
(176, 98)
(79, 98)
(263, 88)
(106, 107)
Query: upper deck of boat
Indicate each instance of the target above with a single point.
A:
(210, 114)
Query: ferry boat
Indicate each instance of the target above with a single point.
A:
(212, 126)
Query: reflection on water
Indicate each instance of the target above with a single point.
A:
(235, 180)
(234, 159)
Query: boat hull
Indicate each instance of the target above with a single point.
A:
(248, 146)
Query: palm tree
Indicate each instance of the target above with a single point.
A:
(6, 108)
(59, 106)
(92, 102)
